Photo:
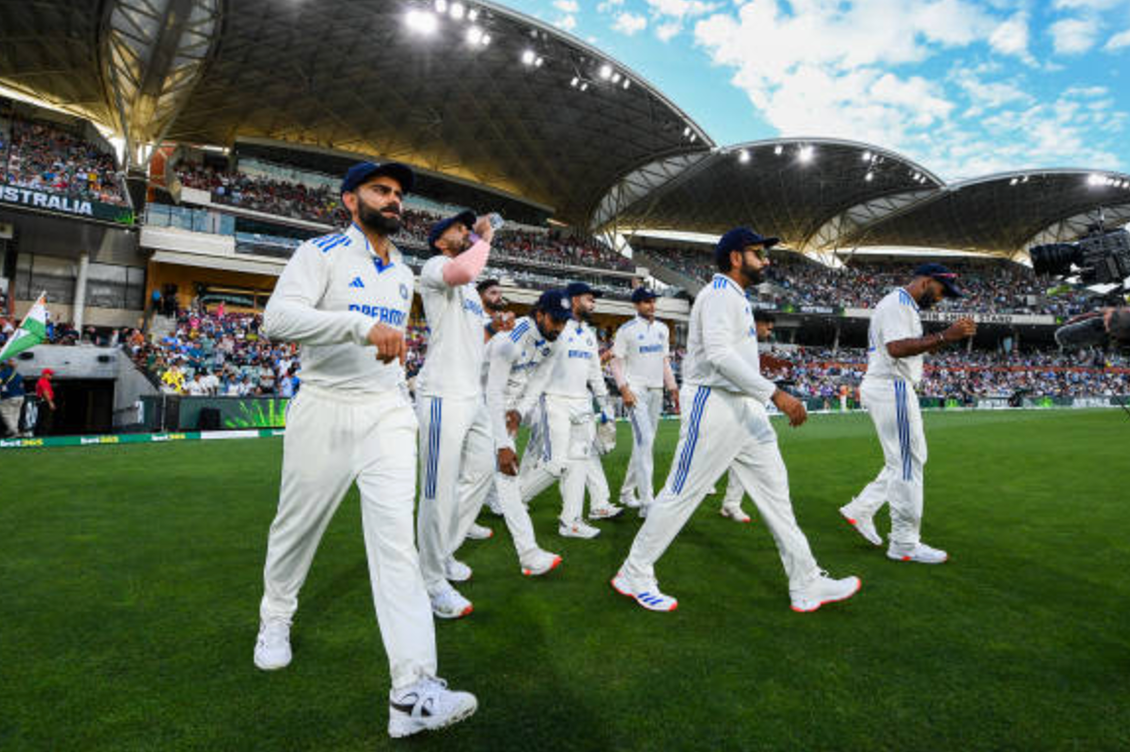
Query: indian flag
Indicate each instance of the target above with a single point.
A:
(32, 331)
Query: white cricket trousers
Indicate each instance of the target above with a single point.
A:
(644, 418)
(720, 429)
(566, 453)
(333, 440)
(734, 492)
(537, 471)
(457, 462)
(893, 407)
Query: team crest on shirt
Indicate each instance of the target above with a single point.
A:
(404, 291)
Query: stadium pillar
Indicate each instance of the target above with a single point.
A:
(836, 341)
(80, 291)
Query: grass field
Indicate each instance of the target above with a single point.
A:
(130, 580)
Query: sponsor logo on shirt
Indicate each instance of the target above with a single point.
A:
(382, 314)
(580, 354)
(651, 348)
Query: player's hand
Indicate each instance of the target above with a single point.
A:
(389, 342)
(507, 462)
(960, 329)
(791, 407)
(628, 395)
(483, 229)
(675, 400)
(513, 420)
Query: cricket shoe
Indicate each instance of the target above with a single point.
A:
(920, 553)
(538, 562)
(479, 532)
(645, 593)
(427, 705)
(629, 500)
(448, 603)
(735, 513)
(272, 648)
(823, 589)
(455, 570)
(577, 529)
(865, 526)
(605, 512)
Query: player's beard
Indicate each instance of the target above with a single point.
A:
(751, 275)
(375, 221)
(925, 301)
(547, 336)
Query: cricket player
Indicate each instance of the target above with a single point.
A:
(641, 365)
(765, 321)
(456, 443)
(724, 424)
(567, 436)
(345, 299)
(496, 306)
(894, 368)
(519, 360)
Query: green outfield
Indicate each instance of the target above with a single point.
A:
(130, 579)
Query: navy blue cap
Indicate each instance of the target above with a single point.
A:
(737, 239)
(556, 304)
(581, 288)
(466, 218)
(640, 294)
(943, 275)
(362, 171)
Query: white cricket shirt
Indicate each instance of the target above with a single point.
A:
(722, 342)
(576, 364)
(456, 339)
(515, 369)
(332, 291)
(896, 317)
(642, 346)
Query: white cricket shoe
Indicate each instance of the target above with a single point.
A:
(272, 648)
(538, 562)
(865, 526)
(577, 529)
(479, 532)
(448, 603)
(920, 553)
(646, 594)
(735, 513)
(455, 570)
(630, 500)
(427, 705)
(605, 512)
(823, 589)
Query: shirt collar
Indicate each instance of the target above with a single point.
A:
(730, 283)
(355, 234)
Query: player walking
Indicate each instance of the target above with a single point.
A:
(724, 423)
(894, 368)
(345, 299)
(641, 365)
(456, 444)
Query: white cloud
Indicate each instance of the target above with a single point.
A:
(567, 6)
(608, 5)
(1118, 41)
(1011, 38)
(680, 9)
(1072, 36)
(566, 23)
(629, 23)
(667, 31)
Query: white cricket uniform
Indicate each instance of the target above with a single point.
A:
(888, 394)
(457, 456)
(352, 422)
(516, 361)
(569, 430)
(643, 348)
(724, 423)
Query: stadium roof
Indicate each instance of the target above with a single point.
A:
(535, 112)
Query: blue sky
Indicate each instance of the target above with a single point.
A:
(966, 88)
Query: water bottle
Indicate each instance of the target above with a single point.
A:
(496, 221)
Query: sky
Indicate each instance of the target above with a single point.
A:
(966, 88)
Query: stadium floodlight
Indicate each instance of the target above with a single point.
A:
(473, 15)
(458, 11)
(869, 177)
(806, 154)
(441, 6)
(1094, 179)
(486, 39)
(615, 78)
(475, 35)
(528, 57)
(574, 82)
(538, 61)
(584, 85)
(1014, 181)
(606, 71)
(866, 156)
(421, 21)
(627, 83)
(686, 131)
(778, 149)
(1025, 179)
(694, 137)
(743, 156)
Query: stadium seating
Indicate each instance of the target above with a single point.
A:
(49, 158)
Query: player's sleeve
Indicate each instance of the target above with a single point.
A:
(503, 351)
(896, 322)
(720, 320)
(596, 380)
(619, 344)
(292, 315)
(666, 335)
(431, 274)
(537, 381)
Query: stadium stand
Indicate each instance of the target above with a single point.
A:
(49, 158)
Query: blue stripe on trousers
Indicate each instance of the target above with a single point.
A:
(692, 439)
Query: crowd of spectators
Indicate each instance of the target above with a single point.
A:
(991, 287)
(49, 158)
